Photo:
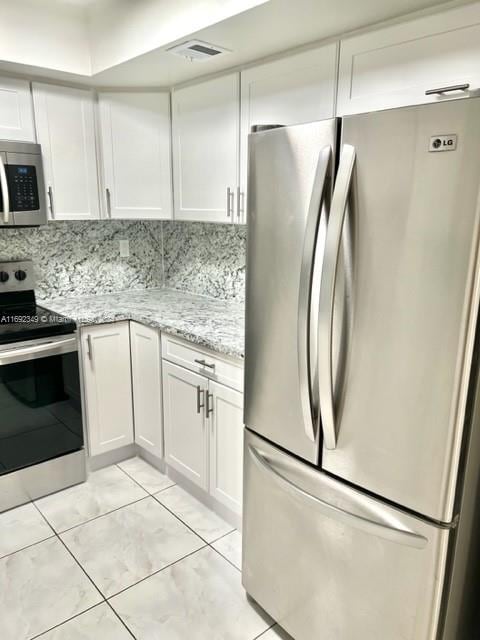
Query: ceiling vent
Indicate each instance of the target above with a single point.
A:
(197, 50)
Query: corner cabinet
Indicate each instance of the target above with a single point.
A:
(108, 386)
(205, 129)
(136, 149)
(394, 66)
(16, 110)
(147, 387)
(65, 122)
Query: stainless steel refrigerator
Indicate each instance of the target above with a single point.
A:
(362, 447)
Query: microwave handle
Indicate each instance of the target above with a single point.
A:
(5, 194)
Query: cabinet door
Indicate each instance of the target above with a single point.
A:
(66, 130)
(206, 149)
(135, 133)
(226, 445)
(394, 66)
(108, 386)
(186, 435)
(292, 90)
(147, 387)
(16, 110)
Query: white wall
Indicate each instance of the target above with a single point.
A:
(45, 33)
(122, 29)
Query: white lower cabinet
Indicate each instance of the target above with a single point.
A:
(226, 445)
(147, 387)
(108, 386)
(203, 422)
(186, 443)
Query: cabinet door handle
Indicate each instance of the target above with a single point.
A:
(240, 203)
(209, 408)
(453, 87)
(109, 202)
(90, 348)
(200, 396)
(229, 202)
(205, 364)
(50, 201)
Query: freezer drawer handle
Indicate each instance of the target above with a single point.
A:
(5, 194)
(399, 536)
(327, 293)
(307, 285)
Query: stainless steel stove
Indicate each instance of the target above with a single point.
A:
(41, 426)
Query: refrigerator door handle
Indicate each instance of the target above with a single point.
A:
(304, 327)
(385, 530)
(327, 293)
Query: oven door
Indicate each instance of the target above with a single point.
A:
(40, 402)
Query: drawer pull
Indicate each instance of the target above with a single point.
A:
(205, 364)
(200, 396)
(453, 87)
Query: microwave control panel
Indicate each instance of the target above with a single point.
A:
(23, 187)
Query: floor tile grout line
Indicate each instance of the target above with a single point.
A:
(180, 520)
(101, 515)
(28, 546)
(167, 566)
(225, 557)
(174, 484)
(121, 620)
(77, 562)
(39, 635)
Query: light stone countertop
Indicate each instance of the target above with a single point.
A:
(209, 322)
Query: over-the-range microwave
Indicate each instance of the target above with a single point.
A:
(22, 188)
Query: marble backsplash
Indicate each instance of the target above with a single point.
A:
(82, 257)
(206, 259)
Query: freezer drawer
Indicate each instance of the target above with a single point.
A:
(327, 561)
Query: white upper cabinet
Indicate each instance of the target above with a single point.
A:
(16, 110)
(295, 89)
(147, 387)
(135, 133)
(65, 124)
(394, 66)
(206, 150)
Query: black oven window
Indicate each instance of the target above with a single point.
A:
(40, 411)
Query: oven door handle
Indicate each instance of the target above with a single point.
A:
(38, 350)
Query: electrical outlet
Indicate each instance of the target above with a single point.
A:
(124, 248)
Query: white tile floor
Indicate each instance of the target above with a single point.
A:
(127, 554)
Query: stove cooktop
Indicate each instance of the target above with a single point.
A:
(27, 323)
(20, 317)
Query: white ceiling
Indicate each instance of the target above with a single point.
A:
(126, 40)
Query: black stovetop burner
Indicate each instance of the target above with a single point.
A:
(22, 319)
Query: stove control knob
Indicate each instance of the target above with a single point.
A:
(4, 276)
(20, 275)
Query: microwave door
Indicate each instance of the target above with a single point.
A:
(26, 188)
(4, 195)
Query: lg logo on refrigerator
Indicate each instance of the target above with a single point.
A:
(443, 143)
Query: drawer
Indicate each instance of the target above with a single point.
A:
(222, 369)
